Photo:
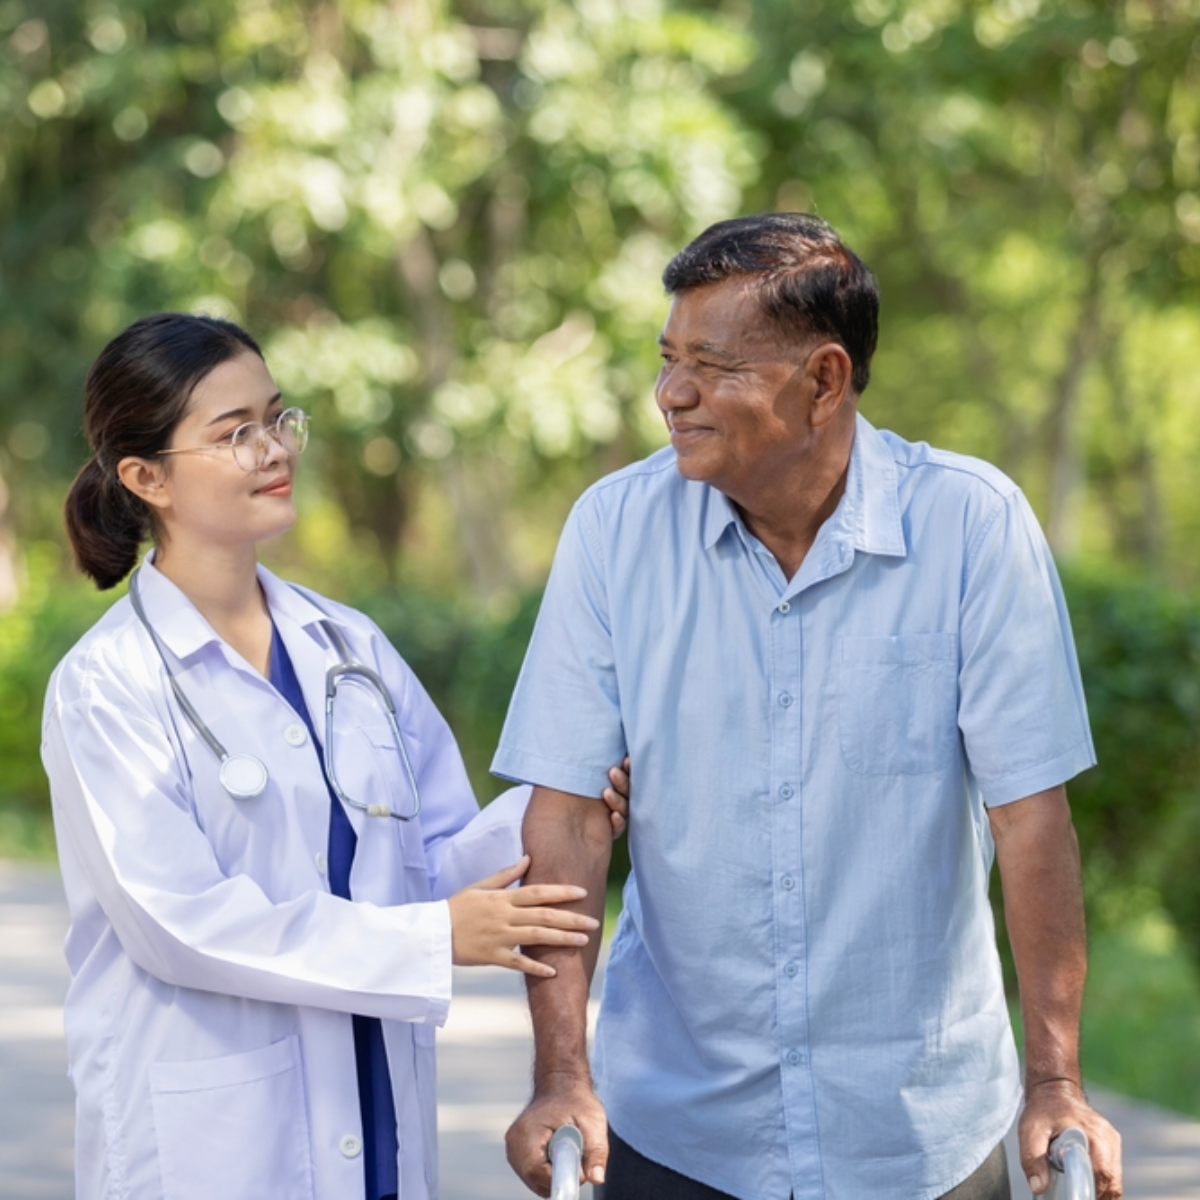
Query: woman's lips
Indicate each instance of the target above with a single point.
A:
(281, 487)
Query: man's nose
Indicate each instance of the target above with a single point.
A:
(675, 388)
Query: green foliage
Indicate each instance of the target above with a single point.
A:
(51, 616)
(446, 220)
(1139, 649)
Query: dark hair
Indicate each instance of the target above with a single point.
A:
(806, 280)
(136, 393)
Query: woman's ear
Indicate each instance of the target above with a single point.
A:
(831, 370)
(146, 479)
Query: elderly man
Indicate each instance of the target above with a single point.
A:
(842, 667)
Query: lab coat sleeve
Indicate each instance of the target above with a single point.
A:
(489, 842)
(120, 796)
(462, 844)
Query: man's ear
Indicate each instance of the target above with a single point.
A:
(830, 369)
(146, 479)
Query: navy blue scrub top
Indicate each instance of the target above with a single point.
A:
(380, 1147)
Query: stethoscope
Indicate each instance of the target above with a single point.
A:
(244, 776)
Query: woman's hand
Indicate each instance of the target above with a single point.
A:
(489, 924)
(617, 797)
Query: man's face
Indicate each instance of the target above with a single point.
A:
(735, 397)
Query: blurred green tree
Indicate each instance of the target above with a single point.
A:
(445, 221)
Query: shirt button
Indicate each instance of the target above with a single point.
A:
(790, 970)
(321, 861)
(351, 1145)
(787, 791)
(295, 735)
(785, 607)
(793, 1057)
(787, 883)
(785, 699)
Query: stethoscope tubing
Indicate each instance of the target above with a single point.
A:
(244, 776)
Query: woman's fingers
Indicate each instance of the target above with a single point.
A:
(505, 877)
(546, 935)
(522, 962)
(551, 918)
(535, 894)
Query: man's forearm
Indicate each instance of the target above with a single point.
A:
(1038, 856)
(569, 839)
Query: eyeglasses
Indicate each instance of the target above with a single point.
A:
(250, 442)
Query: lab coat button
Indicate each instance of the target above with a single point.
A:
(350, 1145)
(295, 735)
(785, 607)
(321, 861)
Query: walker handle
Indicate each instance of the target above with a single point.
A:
(566, 1156)
(1071, 1175)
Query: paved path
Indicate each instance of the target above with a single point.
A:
(483, 1066)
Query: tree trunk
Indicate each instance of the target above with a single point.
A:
(1066, 468)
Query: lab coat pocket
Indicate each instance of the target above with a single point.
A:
(898, 703)
(234, 1127)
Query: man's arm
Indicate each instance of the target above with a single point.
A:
(569, 839)
(1038, 857)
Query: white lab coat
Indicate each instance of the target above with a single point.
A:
(212, 969)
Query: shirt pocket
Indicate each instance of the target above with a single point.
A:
(898, 703)
(234, 1126)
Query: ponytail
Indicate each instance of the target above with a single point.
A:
(106, 524)
(137, 392)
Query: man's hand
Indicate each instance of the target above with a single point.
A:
(570, 840)
(1051, 1107)
(1043, 909)
(561, 1100)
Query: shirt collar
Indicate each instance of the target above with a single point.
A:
(868, 516)
(183, 630)
(872, 501)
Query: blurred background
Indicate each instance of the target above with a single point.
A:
(446, 224)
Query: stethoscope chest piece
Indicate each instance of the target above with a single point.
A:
(243, 776)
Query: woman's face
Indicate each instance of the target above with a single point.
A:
(206, 498)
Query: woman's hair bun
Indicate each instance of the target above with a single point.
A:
(136, 394)
(106, 524)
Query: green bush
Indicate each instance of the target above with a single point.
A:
(53, 612)
(1136, 812)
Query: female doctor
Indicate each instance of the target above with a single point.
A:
(246, 867)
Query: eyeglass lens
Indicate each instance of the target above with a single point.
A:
(250, 444)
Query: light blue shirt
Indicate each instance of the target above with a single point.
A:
(804, 996)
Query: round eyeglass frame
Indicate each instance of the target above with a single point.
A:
(289, 430)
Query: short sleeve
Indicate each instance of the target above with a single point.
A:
(564, 728)
(1022, 712)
